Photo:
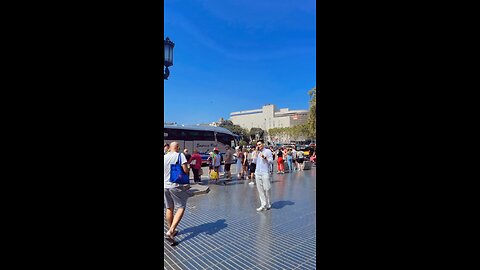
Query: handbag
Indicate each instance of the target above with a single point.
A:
(213, 175)
(177, 175)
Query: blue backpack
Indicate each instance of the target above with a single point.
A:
(177, 175)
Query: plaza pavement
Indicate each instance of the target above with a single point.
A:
(222, 230)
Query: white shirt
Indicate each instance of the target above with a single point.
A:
(262, 163)
(169, 159)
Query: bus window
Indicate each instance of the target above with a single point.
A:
(200, 135)
(225, 139)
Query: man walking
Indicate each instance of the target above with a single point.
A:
(264, 157)
(174, 194)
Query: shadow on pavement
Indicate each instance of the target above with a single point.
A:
(207, 228)
(281, 204)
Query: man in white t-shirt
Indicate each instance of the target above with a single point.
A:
(262, 176)
(174, 194)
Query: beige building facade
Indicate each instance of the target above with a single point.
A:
(268, 117)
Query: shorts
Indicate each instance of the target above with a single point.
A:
(253, 166)
(175, 197)
(210, 167)
(300, 160)
(227, 167)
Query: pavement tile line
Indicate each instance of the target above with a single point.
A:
(230, 247)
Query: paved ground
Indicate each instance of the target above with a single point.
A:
(222, 230)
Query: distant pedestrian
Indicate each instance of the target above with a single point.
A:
(174, 195)
(210, 164)
(165, 148)
(188, 156)
(240, 158)
(280, 164)
(252, 161)
(295, 162)
(262, 177)
(245, 163)
(270, 164)
(216, 164)
(290, 160)
(228, 162)
(300, 159)
(195, 162)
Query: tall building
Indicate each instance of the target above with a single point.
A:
(269, 117)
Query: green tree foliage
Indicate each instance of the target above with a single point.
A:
(312, 114)
(235, 129)
(254, 131)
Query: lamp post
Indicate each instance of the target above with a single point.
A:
(168, 44)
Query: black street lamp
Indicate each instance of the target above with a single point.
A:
(168, 57)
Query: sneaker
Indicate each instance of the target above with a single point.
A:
(251, 183)
(269, 207)
(261, 209)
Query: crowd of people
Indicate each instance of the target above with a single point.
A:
(254, 164)
(245, 158)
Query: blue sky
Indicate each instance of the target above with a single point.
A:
(238, 55)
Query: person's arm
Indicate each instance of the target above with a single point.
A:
(184, 163)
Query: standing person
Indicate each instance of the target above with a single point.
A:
(290, 160)
(165, 148)
(188, 156)
(280, 165)
(195, 162)
(239, 163)
(270, 164)
(294, 156)
(262, 176)
(228, 162)
(253, 164)
(210, 163)
(217, 163)
(245, 163)
(300, 159)
(174, 194)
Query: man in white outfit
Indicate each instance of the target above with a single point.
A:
(262, 176)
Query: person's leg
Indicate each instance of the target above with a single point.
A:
(169, 216)
(261, 191)
(169, 205)
(180, 197)
(176, 220)
(267, 188)
(195, 175)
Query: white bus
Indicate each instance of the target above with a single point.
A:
(203, 138)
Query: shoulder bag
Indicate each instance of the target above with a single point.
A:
(177, 175)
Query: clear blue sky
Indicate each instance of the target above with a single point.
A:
(238, 55)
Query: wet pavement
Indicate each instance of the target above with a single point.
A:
(222, 230)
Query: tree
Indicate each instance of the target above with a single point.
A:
(312, 114)
(235, 129)
(254, 131)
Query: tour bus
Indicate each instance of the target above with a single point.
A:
(203, 138)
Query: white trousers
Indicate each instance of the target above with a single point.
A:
(263, 187)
